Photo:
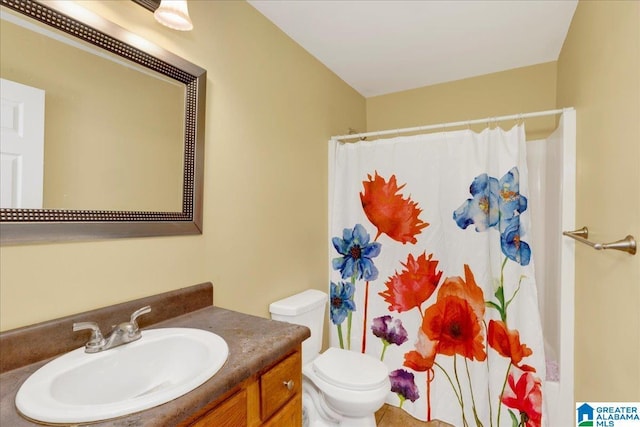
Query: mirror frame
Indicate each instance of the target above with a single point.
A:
(53, 225)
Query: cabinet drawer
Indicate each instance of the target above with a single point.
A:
(279, 384)
(230, 413)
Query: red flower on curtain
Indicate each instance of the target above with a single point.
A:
(466, 289)
(507, 343)
(412, 286)
(422, 358)
(525, 395)
(453, 324)
(389, 212)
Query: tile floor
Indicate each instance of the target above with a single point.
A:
(390, 416)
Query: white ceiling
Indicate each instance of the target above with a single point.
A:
(384, 46)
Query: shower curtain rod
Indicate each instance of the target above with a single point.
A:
(452, 124)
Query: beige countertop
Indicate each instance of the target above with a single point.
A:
(254, 343)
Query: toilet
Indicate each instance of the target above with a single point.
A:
(339, 387)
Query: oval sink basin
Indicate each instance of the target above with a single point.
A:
(162, 365)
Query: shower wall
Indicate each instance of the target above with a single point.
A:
(544, 193)
(551, 167)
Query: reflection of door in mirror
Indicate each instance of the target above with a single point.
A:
(22, 146)
(114, 131)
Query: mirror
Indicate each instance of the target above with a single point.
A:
(142, 140)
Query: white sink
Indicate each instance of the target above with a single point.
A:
(162, 365)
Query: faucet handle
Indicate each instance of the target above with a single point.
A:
(139, 312)
(96, 339)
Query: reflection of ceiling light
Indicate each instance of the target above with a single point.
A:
(174, 14)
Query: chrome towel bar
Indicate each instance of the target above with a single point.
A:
(628, 244)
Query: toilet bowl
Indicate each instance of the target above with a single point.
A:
(340, 387)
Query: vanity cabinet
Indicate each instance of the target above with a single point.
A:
(259, 385)
(271, 398)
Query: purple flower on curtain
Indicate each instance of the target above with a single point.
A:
(356, 251)
(403, 384)
(341, 301)
(390, 331)
(515, 249)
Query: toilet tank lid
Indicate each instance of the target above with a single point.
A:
(298, 303)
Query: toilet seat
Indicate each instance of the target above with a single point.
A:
(350, 370)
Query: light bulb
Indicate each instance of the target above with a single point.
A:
(174, 14)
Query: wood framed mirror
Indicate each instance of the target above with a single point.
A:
(95, 216)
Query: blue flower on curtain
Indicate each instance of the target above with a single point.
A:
(510, 202)
(356, 252)
(483, 208)
(497, 204)
(507, 201)
(514, 248)
(354, 264)
(341, 301)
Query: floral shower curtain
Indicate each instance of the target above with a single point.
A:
(432, 274)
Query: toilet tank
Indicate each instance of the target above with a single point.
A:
(306, 309)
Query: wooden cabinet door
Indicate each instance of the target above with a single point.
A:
(289, 416)
(230, 413)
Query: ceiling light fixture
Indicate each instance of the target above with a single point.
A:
(174, 14)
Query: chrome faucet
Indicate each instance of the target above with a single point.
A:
(123, 333)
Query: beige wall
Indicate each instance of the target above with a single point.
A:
(271, 108)
(599, 74)
(520, 90)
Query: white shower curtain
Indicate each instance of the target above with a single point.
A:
(431, 272)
